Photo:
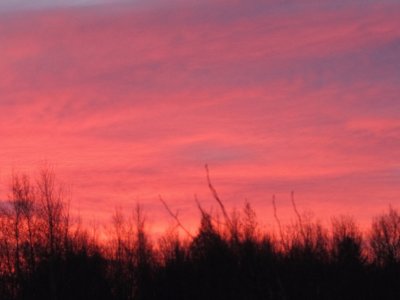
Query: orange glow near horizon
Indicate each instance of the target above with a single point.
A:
(128, 102)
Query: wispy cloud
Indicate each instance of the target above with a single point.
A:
(130, 102)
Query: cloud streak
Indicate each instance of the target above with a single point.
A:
(130, 102)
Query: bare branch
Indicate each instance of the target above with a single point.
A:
(217, 198)
(199, 206)
(276, 218)
(297, 214)
(175, 217)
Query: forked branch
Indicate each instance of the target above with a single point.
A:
(175, 217)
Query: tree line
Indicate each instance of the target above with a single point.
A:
(46, 254)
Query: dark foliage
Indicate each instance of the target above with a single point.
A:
(44, 255)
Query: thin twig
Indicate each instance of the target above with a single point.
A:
(175, 217)
(277, 218)
(297, 214)
(218, 199)
(203, 212)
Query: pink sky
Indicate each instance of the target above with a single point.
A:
(129, 100)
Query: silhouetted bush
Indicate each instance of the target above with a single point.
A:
(44, 254)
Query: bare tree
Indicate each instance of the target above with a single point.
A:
(347, 242)
(249, 222)
(53, 212)
(385, 238)
(24, 206)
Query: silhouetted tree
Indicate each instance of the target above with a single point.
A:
(347, 243)
(385, 238)
(45, 255)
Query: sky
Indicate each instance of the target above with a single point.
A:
(128, 100)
